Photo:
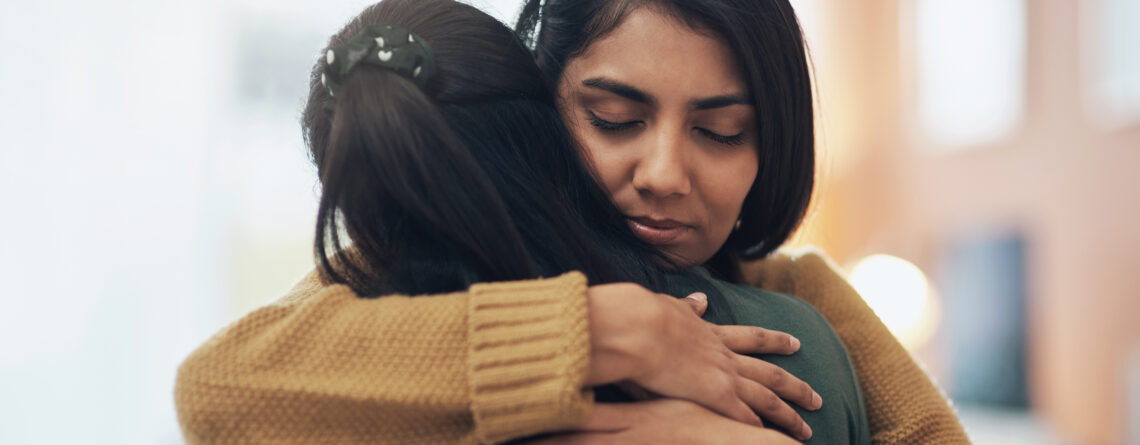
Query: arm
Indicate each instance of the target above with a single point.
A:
(903, 404)
(501, 360)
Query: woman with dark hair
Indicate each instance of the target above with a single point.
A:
(655, 91)
(443, 158)
(263, 365)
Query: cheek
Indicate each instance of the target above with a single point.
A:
(608, 164)
(733, 180)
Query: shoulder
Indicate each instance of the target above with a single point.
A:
(823, 361)
(811, 276)
(796, 271)
(782, 312)
(763, 307)
(310, 284)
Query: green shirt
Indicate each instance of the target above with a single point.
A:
(822, 360)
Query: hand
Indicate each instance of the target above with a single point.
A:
(661, 344)
(665, 421)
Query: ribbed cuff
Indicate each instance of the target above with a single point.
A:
(528, 356)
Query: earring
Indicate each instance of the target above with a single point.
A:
(736, 226)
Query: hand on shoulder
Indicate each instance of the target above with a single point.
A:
(661, 344)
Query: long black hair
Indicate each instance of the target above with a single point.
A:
(471, 178)
(766, 39)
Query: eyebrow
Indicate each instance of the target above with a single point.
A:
(620, 89)
(727, 100)
(632, 93)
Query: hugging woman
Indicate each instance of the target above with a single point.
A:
(463, 180)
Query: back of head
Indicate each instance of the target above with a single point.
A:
(468, 177)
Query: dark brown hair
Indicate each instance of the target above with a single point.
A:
(472, 178)
(766, 38)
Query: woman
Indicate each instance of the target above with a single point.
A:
(628, 91)
(781, 273)
(502, 168)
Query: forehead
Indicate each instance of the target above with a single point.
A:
(656, 52)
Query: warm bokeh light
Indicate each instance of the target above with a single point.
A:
(900, 295)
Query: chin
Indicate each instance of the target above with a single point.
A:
(680, 258)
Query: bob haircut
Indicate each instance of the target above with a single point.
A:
(766, 38)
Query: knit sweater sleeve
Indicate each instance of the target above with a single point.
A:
(321, 365)
(903, 405)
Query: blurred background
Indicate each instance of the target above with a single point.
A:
(978, 180)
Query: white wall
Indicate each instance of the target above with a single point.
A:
(154, 187)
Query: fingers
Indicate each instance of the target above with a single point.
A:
(757, 340)
(721, 395)
(781, 382)
(698, 302)
(774, 409)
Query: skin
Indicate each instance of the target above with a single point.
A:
(668, 127)
(665, 421)
(666, 348)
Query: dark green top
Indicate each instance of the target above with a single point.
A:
(822, 360)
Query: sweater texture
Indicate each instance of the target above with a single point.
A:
(904, 406)
(497, 362)
(325, 366)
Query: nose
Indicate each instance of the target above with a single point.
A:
(663, 170)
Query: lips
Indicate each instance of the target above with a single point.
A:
(657, 231)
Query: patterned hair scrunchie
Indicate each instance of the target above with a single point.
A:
(386, 46)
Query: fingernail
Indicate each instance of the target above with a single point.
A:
(816, 400)
(699, 296)
(805, 431)
(795, 342)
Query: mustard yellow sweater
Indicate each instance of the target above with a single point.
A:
(500, 361)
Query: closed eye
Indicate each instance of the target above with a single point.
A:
(734, 140)
(606, 125)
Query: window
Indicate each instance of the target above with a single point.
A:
(970, 58)
(1112, 61)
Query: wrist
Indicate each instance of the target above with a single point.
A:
(616, 338)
